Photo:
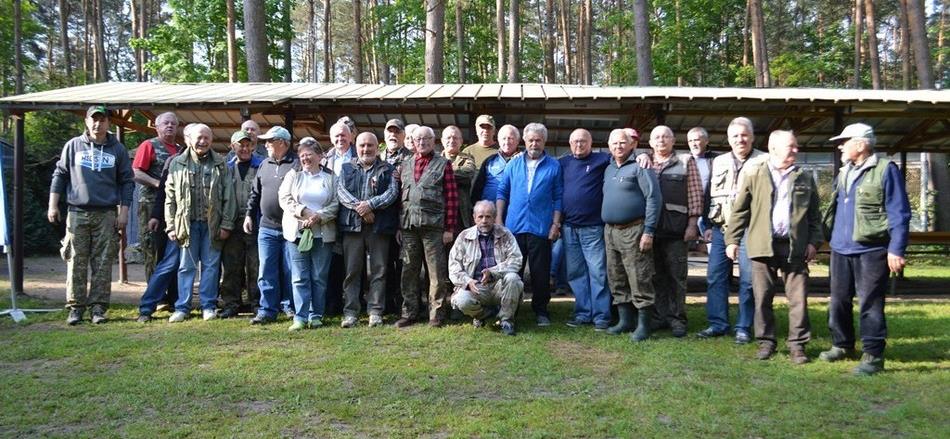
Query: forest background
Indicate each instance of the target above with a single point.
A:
(48, 44)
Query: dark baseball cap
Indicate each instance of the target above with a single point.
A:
(395, 123)
(97, 109)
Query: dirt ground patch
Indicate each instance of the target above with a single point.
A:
(599, 361)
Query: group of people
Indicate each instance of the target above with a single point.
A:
(303, 230)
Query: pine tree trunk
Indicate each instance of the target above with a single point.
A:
(357, 42)
(255, 41)
(288, 41)
(17, 47)
(460, 41)
(232, 43)
(641, 26)
(874, 61)
(588, 50)
(746, 33)
(549, 30)
(102, 68)
(679, 46)
(760, 55)
(906, 69)
(857, 20)
(86, 46)
(514, 41)
(64, 40)
(134, 15)
(500, 29)
(327, 55)
(918, 40)
(565, 30)
(435, 37)
(940, 39)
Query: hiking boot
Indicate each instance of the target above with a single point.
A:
(625, 320)
(178, 316)
(678, 329)
(208, 314)
(743, 337)
(297, 325)
(261, 319)
(869, 365)
(435, 323)
(144, 318)
(227, 313)
(643, 325)
(98, 315)
(836, 354)
(75, 317)
(507, 327)
(543, 321)
(405, 322)
(765, 351)
(797, 355)
(375, 320)
(601, 327)
(574, 322)
(348, 322)
(710, 333)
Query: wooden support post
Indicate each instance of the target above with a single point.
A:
(19, 162)
(123, 234)
(904, 167)
(289, 121)
(838, 126)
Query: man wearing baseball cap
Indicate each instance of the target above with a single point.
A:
(486, 146)
(95, 174)
(869, 218)
(395, 151)
(263, 214)
(239, 258)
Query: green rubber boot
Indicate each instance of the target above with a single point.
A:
(625, 322)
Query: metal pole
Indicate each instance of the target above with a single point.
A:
(123, 266)
(19, 146)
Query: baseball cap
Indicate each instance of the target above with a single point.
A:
(239, 136)
(276, 132)
(485, 119)
(633, 133)
(395, 123)
(97, 109)
(855, 130)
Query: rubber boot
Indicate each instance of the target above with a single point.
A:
(625, 322)
(643, 324)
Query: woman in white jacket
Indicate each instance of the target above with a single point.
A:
(308, 198)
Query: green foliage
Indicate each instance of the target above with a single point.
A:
(30, 31)
(402, 43)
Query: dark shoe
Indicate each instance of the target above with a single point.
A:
(869, 365)
(405, 322)
(601, 327)
(543, 321)
(227, 313)
(575, 323)
(658, 324)
(743, 337)
(98, 315)
(507, 327)
(836, 354)
(624, 321)
(144, 318)
(765, 352)
(435, 323)
(710, 333)
(797, 355)
(75, 317)
(643, 325)
(678, 330)
(262, 319)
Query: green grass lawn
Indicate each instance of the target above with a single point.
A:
(227, 378)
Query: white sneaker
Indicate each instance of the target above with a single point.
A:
(375, 320)
(208, 314)
(178, 316)
(348, 322)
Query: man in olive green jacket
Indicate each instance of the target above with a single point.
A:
(777, 203)
(200, 211)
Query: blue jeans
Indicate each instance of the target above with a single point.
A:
(161, 279)
(718, 275)
(558, 264)
(586, 261)
(199, 250)
(309, 273)
(273, 278)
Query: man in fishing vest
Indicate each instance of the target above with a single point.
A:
(869, 219)
(682, 193)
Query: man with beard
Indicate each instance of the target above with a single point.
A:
(486, 147)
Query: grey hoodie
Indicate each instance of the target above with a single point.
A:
(94, 176)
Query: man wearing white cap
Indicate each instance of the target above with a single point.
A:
(869, 218)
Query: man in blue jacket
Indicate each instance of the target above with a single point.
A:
(869, 218)
(529, 204)
(95, 174)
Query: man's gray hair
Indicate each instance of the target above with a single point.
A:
(485, 204)
(535, 127)
(509, 127)
(165, 115)
(777, 135)
(743, 121)
(339, 125)
(699, 130)
(417, 133)
(192, 129)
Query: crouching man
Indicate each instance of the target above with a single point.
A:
(483, 265)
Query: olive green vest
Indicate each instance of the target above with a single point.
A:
(870, 218)
(423, 201)
(242, 188)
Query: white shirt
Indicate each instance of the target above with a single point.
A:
(314, 193)
(532, 167)
(781, 200)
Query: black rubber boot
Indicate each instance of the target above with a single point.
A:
(643, 324)
(625, 322)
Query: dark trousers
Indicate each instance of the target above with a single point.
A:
(864, 275)
(357, 246)
(765, 272)
(669, 281)
(334, 299)
(393, 301)
(537, 256)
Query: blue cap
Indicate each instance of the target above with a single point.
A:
(276, 132)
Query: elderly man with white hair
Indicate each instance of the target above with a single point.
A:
(200, 211)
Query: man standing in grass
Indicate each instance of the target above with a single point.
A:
(583, 231)
(95, 174)
(869, 219)
(483, 265)
(200, 212)
(631, 210)
(777, 204)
